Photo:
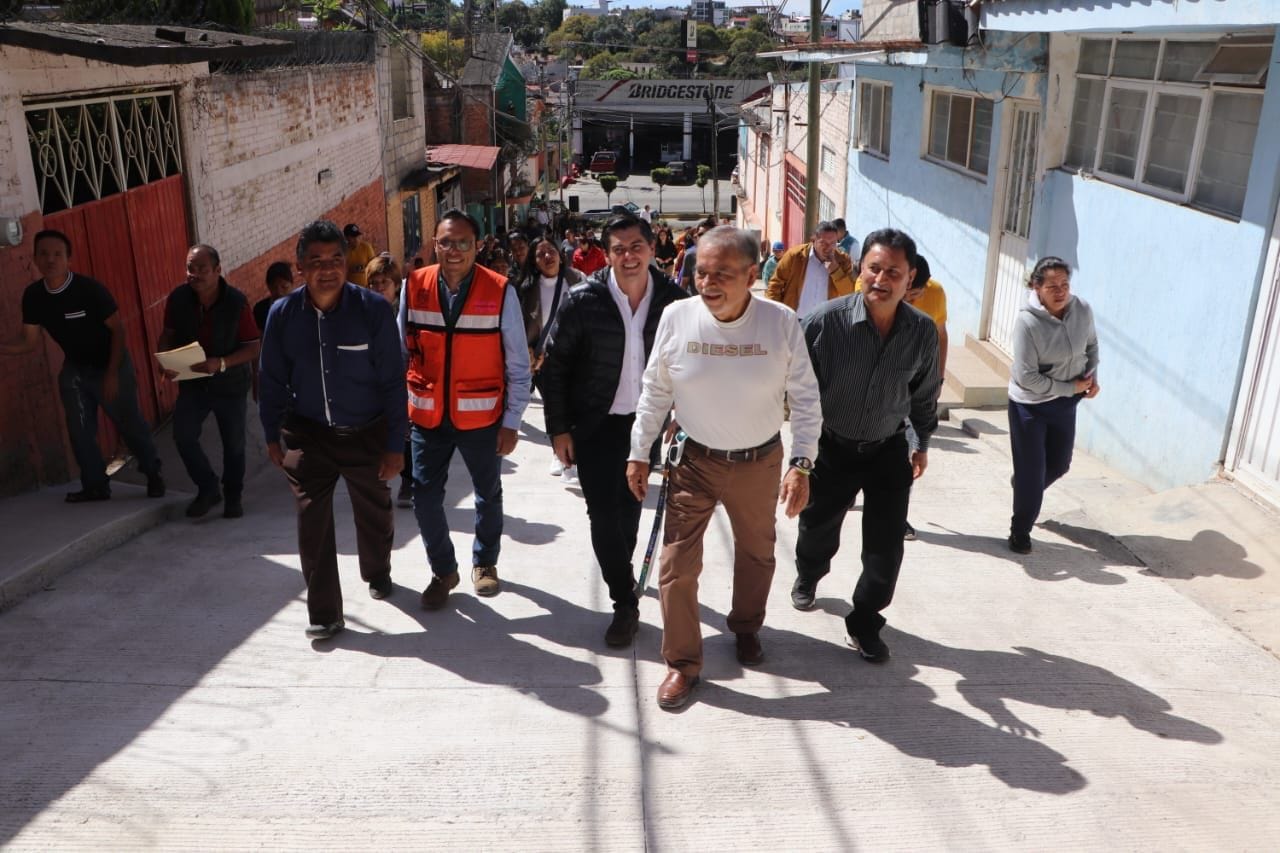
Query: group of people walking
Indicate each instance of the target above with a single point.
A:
(366, 382)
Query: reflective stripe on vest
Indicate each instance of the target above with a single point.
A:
(427, 403)
(477, 404)
(426, 318)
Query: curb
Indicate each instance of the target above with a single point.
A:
(40, 574)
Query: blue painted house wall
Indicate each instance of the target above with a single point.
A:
(1120, 15)
(1174, 289)
(947, 212)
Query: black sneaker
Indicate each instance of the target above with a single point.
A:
(381, 588)
(233, 507)
(622, 630)
(1020, 543)
(803, 593)
(871, 647)
(155, 485)
(204, 502)
(908, 532)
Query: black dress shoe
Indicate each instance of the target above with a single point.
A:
(204, 502)
(381, 588)
(750, 653)
(155, 485)
(871, 647)
(85, 496)
(233, 507)
(803, 593)
(622, 630)
(1020, 543)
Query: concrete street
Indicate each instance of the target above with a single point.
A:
(677, 199)
(1111, 691)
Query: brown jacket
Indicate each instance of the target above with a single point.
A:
(788, 279)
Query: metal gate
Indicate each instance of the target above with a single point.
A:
(1254, 454)
(793, 204)
(1009, 293)
(109, 173)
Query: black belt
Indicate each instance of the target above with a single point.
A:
(860, 446)
(298, 422)
(750, 454)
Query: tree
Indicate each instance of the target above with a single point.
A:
(743, 62)
(661, 176)
(598, 66)
(445, 52)
(704, 175)
(608, 183)
(522, 22)
(549, 14)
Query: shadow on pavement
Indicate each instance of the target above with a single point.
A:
(1049, 561)
(890, 704)
(1207, 553)
(469, 639)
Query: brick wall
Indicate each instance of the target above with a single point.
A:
(477, 184)
(274, 150)
(890, 20)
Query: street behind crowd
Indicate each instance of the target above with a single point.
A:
(162, 696)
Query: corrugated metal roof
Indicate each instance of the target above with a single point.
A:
(466, 156)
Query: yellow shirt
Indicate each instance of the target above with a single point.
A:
(358, 256)
(932, 300)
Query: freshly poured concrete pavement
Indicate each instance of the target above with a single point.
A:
(162, 696)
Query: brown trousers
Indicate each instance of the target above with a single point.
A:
(749, 492)
(315, 456)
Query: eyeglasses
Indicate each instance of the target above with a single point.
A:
(460, 245)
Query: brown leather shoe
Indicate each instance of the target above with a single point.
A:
(749, 651)
(675, 689)
(622, 630)
(437, 592)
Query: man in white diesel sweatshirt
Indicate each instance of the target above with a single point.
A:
(726, 361)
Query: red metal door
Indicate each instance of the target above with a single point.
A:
(793, 204)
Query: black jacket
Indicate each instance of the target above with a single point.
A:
(184, 311)
(584, 353)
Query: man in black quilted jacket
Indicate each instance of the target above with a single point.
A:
(595, 358)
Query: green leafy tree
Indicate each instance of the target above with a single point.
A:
(620, 73)
(608, 183)
(445, 52)
(522, 21)
(549, 14)
(598, 66)
(661, 176)
(743, 62)
(704, 175)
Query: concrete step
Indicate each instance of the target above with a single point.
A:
(973, 380)
(948, 401)
(991, 355)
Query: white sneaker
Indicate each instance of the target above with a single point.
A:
(557, 467)
(570, 476)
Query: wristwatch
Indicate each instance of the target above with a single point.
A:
(222, 365)
(803, 464)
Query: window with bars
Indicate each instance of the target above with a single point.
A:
(875, 107)
(827, 163)
(826, 208)
(1148, 115)
(959, 132)
(90, 149)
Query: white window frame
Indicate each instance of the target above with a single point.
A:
(827, 161)
(886, 127)
(1205, 92)
(826, 207)
(929, 93)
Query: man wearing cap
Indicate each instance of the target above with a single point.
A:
(205, 308)
(724, 360)
(469, 384)
(359, 253)
(809, 274)
(771, 263)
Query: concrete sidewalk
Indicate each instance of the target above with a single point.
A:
(1088, 696)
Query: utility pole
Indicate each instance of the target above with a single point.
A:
(813, 151)
(542, 132)
(715, 156)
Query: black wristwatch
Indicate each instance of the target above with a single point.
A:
(803, 464)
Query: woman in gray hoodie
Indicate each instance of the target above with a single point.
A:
(1055, 361)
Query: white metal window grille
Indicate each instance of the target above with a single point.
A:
(1140, 119)
(86, 150)
(826, 208)
(827, 163)
(875, 106)
(959, 131)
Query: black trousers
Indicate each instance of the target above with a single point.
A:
(883, 475)
(613, 511)
(315, 457)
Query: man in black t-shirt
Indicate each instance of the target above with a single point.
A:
(279, 285)
(80, 314)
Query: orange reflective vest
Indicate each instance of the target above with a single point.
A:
(456, 366)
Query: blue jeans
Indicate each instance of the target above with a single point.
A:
(81, 390)
(432, 452)
(195, 403)
(1041, 437)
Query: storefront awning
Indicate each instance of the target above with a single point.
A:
(466, 156)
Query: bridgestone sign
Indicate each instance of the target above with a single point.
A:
(665, 94)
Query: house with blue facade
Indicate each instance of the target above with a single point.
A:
(1130, 138)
